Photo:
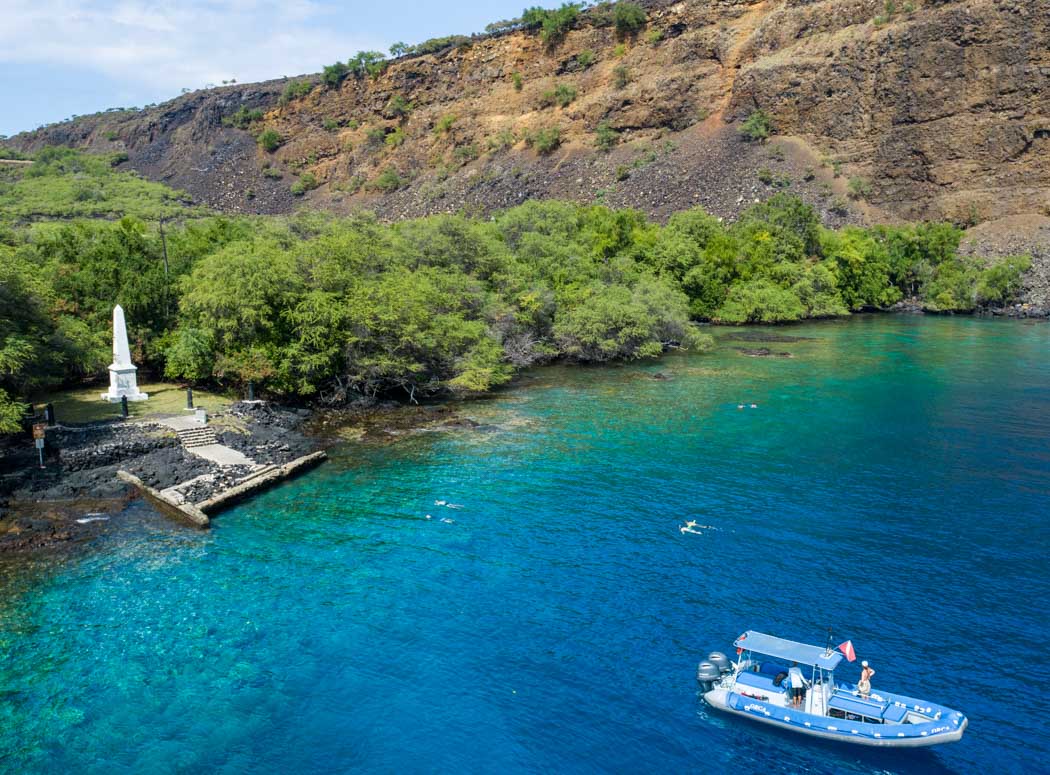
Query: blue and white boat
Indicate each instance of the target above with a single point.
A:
(755, 686)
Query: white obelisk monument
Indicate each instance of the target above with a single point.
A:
(122, 379)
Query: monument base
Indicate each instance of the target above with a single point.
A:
(123, 384)
(130, 397)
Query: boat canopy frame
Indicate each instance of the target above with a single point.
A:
(781, 648)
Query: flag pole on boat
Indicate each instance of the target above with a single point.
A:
(827, 648)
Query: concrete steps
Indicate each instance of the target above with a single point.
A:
(197, 437)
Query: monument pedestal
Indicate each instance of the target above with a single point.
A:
(123, 382)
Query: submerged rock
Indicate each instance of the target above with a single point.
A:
(762, 352)
(765, 336)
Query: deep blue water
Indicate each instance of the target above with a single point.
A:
(893, 483)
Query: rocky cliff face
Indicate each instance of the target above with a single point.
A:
(933, 108)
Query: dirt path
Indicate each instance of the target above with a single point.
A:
(743, 30)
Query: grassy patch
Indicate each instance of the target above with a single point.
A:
(84, 405)
(63, 183)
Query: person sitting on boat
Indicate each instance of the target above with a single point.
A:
(864, 684)
(798, 684)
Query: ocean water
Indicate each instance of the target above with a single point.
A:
(892, 483)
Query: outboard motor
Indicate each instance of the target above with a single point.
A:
(707, 675)
(721, 661)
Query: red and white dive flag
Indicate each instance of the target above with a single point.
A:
(847, 649)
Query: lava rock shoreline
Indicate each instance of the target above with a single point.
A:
(41, 507)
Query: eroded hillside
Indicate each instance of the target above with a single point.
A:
(924, 109)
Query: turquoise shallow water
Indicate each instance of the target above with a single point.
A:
(893, 483)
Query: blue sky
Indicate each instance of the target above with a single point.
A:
(65, 57)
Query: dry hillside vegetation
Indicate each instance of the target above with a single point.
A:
(935, 109)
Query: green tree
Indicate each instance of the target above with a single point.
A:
(239, 298)
(863, 268)
(760, 301)
(1001, 282)
(334, 74)
(598, 322)
(370, 63)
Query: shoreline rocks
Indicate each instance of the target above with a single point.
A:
(39, 507)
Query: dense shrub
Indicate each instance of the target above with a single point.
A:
(387, 181)
(621, 76)
(243, 118)
(1001, 282)
(464, 154)
(306, 182)
(858, 188)
(444, 124)
(628, 17)
(434, 45)
(502, 140)
(759, 301)
(333, 75)
(561, 95)
(757, 127)
(606, 137)
(375, 135)
(397, 107)
(295, 90)
(270, 140)
(544, 140)
(371, 63)
(553, 24)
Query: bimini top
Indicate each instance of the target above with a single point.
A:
(780, 648)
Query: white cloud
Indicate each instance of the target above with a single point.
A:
(168, 46)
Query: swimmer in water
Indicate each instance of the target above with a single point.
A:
(739, 406)
(439, 503)
(448, 521)
(754, 406)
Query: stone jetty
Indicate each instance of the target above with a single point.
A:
(179, 500)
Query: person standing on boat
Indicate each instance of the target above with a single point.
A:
(864, 684)
(798, 684)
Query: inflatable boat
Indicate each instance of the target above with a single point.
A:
(756, 686)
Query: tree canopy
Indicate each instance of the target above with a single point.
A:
(324, 307)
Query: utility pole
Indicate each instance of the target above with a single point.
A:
(164, 249)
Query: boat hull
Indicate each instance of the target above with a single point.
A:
(878, 736)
